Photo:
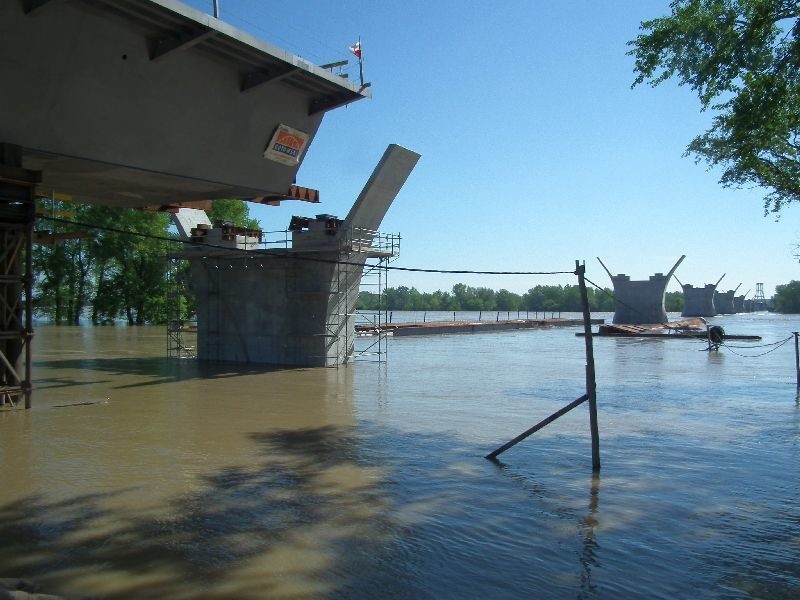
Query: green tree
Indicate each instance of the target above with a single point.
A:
(742, 58)
(508, 300)
(130, 264)
(673, 301)
(787, 298)
(232, 211)
(63, 283)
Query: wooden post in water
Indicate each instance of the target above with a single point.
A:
(591, 386)
(591, 382)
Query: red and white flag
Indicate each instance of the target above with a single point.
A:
(356, 49)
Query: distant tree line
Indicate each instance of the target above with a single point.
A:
(564, 298)
(787, 298)
(110, 274)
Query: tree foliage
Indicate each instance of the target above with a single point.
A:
(232, 211)
(742, 58)
(111, 274)
(787, 298)
(541, 298)
(119, 271)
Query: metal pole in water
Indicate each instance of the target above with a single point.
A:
(797, 358)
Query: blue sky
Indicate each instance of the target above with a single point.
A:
(535, 149)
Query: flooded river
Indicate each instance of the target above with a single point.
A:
(138, 476)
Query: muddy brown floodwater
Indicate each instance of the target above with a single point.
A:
(138, 476)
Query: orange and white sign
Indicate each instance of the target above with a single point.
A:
(286, 146)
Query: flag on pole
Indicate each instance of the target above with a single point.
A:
(356, 49)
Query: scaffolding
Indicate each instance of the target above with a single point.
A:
(350, 334)
(17, 216)
(181, 333)
(759, 301)
(369, 341)
(325, 280)
(370, 325)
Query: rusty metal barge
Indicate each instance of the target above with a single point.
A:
(688, 328)
(458, 327)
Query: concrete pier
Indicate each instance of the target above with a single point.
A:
(724, 302)
(640, 302)
(292, 306)
(699, 301)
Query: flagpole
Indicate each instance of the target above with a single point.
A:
(360, 62)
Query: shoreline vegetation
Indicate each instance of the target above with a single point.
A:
(541, 298)
(115, 270)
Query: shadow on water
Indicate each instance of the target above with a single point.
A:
(157, 370)
(271, 513)
(337, 511)
(322, 512)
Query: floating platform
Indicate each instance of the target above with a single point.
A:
(688, 328)
(453, 327)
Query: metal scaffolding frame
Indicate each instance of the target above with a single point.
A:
(17, 216)
(370, 324)
(178, 330)
(344, 325)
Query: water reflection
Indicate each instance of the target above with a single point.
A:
(590, 545)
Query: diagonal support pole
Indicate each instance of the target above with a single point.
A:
(591, 385)
(559, 413)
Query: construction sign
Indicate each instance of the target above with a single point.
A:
(286, 146)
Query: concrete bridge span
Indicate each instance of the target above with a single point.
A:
(150, 102)
(140, 103)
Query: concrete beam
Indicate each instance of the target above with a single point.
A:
(187, 219)
(382, 188)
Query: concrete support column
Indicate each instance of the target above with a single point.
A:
(698, 302)
(640, 302)
(293, 306)
(724, 303)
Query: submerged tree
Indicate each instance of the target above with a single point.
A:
(64, 285)
(742, 58)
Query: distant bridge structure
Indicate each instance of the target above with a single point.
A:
(639, 302)
(699, 301)
(725, 302)
(142, 103)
